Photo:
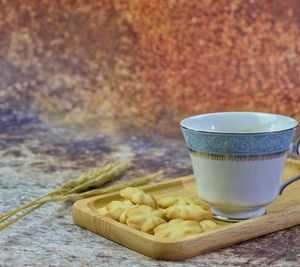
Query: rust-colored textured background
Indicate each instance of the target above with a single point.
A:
(85, 83)
(149, 63)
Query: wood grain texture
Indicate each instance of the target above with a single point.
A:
(284, 212)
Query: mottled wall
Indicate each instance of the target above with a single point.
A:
(149, 62)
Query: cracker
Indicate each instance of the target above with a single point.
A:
(115, 208)
(138, 196)
(169, 201)
(208, 225)
(144, 218)
(187, 212)
(178, 228)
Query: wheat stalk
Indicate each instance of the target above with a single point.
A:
(84, 177)
(65, 187)
(77, 188)
(75, 182)
(101, 191)
(100, 179)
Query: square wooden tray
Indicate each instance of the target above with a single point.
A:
(284, 212)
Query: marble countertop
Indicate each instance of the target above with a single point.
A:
(36, 157)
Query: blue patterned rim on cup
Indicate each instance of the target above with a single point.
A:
(206, 139)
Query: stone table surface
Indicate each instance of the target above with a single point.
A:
(36, 157)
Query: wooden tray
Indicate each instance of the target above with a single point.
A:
(282, 213)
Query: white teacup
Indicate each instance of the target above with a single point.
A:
(238, 158)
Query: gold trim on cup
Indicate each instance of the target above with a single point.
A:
(238, 157)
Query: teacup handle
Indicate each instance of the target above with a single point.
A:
(293, 150)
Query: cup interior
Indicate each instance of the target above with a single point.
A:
(239, 122)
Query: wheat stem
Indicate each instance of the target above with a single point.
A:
(2, 227)
(7, 215)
